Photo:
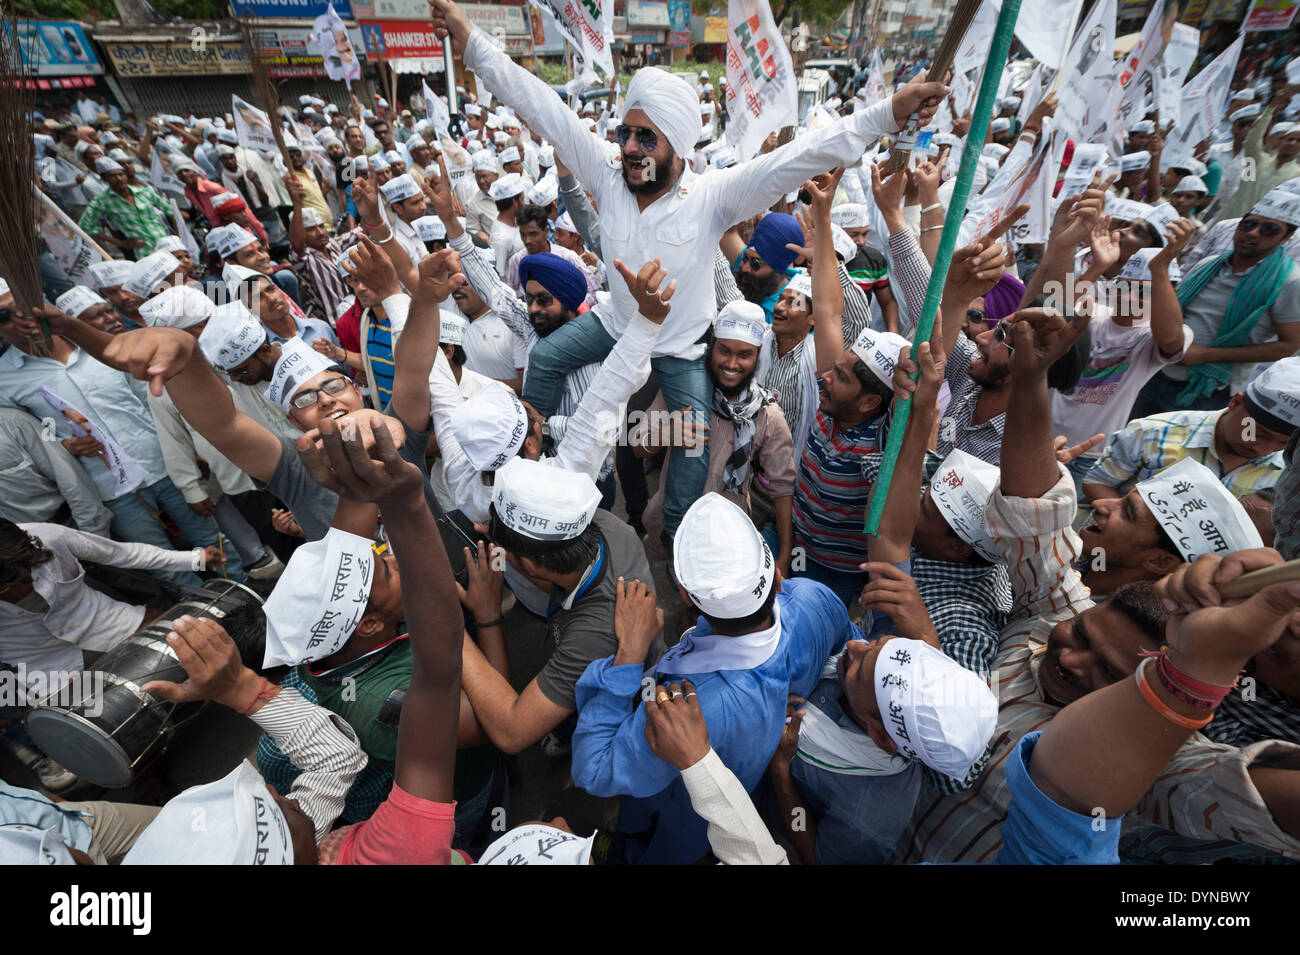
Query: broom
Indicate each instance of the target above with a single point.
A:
(962, 16)
(264, 88)
(19, 240)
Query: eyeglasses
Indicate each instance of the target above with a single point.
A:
(1266, 229)
(974, 315)
(1002, 334)
(543, 299)
(647, 139)
(305, 399)
(753, 263)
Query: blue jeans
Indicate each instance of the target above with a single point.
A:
(133, 522)
(683, 383)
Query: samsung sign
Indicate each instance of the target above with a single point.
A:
(289, 8)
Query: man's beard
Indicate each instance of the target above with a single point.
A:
(756, 289)
(550, 324)
(651, 184)
(990, 377)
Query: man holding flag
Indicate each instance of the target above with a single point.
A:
(654, 206)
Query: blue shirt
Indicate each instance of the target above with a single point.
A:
(744, 710)
(106, 396)
(1038, 831)
(27, 807)
(309, 329)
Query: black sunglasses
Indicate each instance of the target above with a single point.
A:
(754, 262)
(647, 139)
(305, 399)
(974, 315)
(5, 315)
(543, 299)
(1002, 333)
(1266, 229)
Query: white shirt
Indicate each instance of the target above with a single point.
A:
(492, 349)
(505, 242)
(79, 617)
(682, 227)
(592, 429)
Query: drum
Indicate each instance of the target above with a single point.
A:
(117, 728)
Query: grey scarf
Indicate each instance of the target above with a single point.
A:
(742, 411)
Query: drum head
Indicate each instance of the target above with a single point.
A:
(80, 745)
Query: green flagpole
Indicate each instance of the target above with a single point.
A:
(947, 243)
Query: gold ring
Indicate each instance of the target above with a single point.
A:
(662, 697)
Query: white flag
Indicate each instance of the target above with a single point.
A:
(1203, 102)
(253, 128)
(761, 91)
(435, 109)
(1139, 70)
(1177, 60)
(162, 178)
(184, 233)
(968, 62)
(329, 38)
(1045, 27)
(1031, 95)
(875, 88)
(588, 27)
(1088, 107)
(482, 92)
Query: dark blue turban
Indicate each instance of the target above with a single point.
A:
(558, 276)
(771, 234)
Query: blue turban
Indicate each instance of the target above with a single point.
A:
(559, 277)
(771, 234)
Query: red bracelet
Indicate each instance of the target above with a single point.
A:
(1157, 704)
(367, 227)
(1186, 687)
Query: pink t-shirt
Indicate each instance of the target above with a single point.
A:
(405, 830)
(1123, 360)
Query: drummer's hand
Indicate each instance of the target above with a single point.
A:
(211, 661)
(213, 556)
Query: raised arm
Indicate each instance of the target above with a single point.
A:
(426, 735)
(169, 356)
(828, 295)
(1166, 312)
(1040, 336)
(892, 543)
(534, 101)
(748, 188)
(1106, 749)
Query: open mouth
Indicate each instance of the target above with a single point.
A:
(337, 414)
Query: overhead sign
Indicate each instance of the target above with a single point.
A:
(56, 48)
(285, 50)
(290, 8)
(1270, 15)
(647, 13)
(401, 40)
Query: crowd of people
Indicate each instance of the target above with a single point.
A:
(401, 376)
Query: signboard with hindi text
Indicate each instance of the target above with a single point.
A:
(1270, 15)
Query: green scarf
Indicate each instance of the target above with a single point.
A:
(1252, 297)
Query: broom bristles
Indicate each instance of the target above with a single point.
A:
(943, 58)
(19, 238)
(264, 87)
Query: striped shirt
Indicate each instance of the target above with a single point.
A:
(320, 744)
(957, 430)
(502, 301)
(1149, 445)
(380, 365)
(1204, 793)
(830, 496)
(148, 218)
(322, 285)
(1286, 504)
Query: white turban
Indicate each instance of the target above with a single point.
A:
(670, 103)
